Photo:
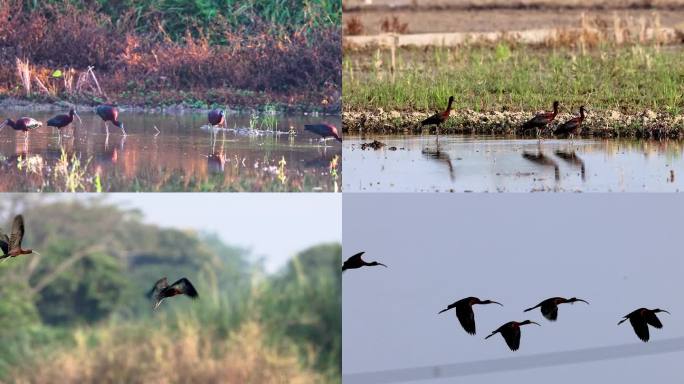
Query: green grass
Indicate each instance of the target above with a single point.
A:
(628, 79)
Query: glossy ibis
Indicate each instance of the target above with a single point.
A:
(464, 311)
(549, 307)
(439, 117)
(110, 113)
(356, 261)
(61, 121)
(541, 120)
(511, 333)
(641, 319)
(571, 127)
(25, 124)
(11, 246)
(324, 130)
(162, 290)
(216, 117)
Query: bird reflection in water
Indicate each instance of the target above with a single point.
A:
(442, 157)
(572, 158)
(541, 159)
(216, 159)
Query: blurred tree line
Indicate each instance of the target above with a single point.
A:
(97, 261)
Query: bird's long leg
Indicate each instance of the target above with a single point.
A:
(124, 131)
(106, 128)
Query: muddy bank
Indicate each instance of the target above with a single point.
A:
(14, 104)
(604, 124)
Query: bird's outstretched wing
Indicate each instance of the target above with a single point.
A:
(184, 286)
(352, 260)
(653, 320)
(17, 234)
(640, 327)
(512, 337)
(159, 286)
(4, 243)
(466, 317)
(550, 311)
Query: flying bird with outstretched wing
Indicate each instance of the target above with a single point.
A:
(162, 290)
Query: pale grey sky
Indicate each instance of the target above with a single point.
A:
(273, 225)
(619, 252)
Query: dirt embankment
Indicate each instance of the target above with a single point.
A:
(647, 124)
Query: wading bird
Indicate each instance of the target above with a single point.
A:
(110, 113)
(162, 290)
(571, 127)
(541, 120)
(11, 246)
(439, 117)
(216, 117)
(464, 311)
(357, 262)
(641, 319)
(549, 307)
(511, 333)
(325, 130)
(25, 124)
(61, 121)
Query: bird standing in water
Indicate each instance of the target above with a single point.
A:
(439, 117)
(108, 113)
(541, 120)
(61, 121)
(464, 311)
(25, 124)
(356, 261)
(325, 130)
(571, 127)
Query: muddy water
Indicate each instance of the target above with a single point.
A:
(487, 164)
(255, 153)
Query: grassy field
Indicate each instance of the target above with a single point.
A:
(513, 78)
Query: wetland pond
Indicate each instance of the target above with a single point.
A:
(254, 153)
(499, 164)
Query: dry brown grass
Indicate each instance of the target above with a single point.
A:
(353, 26)
(122, 355)
(393, 25)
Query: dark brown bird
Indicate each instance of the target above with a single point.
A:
(61, 121)
(549, 307)
(216, 117)
(110, 113)
(11, 246)
(325, 130)
(25, 124)
(464, 311)
(641, 319)
(162, 290)
(439, 117)
(357, 262)
(571, 127)
(541, 120)
(511, 333)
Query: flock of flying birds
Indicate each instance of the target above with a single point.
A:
(11, 247)
(640, 319)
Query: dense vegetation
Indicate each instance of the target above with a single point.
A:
(77, 313)
(157, 52)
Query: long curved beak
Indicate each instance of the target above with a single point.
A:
(584, 301)
(382, 265)
(495, 302)
(662, 310)
(532, 322)
(79, 118)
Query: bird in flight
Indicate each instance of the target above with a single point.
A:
(162, 290)
(511, 333)
(549, 307)
(357, 262)
(464, 311)
(11, 246)
(641, 319)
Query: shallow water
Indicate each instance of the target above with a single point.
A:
(181, 157)
(490, 164)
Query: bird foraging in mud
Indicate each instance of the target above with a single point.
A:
(25, 124)
(162, 290)
(107, 113)
(11, 246)
(61, 121)
(356, 261)
(511, 333)
(641, 319)
(549, 307)
(439, 117)
(325, 130)
(571, 127)
(464, 311)
(541, 120)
